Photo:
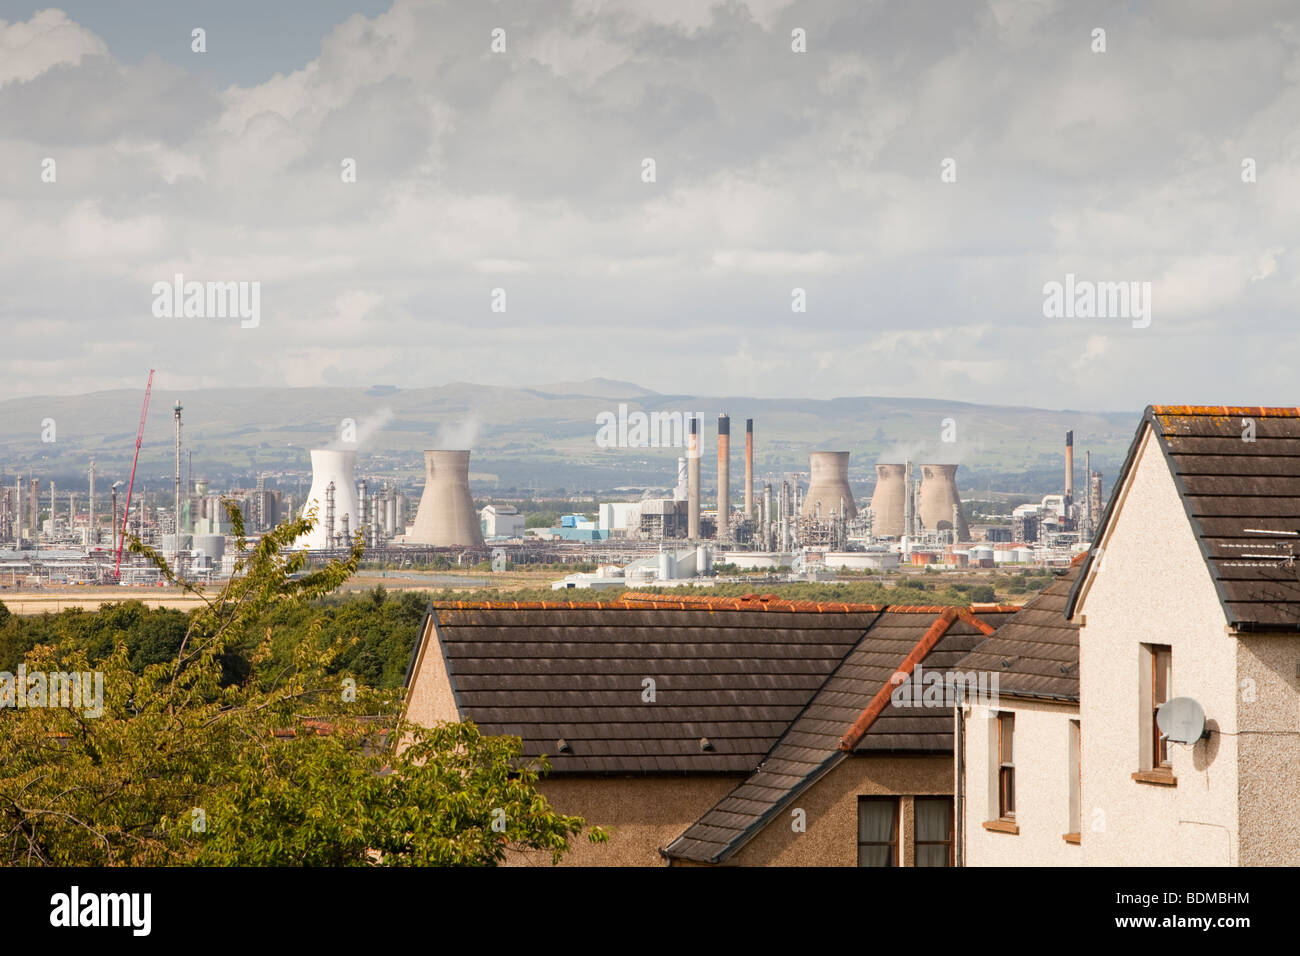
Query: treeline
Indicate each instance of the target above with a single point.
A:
(380, 629)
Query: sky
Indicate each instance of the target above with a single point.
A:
(921, 171)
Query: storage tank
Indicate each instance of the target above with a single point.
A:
(828, 486)
(211, 545)
(938, 497)
(329, 465)
(667, 566)
(887, 502)
(446, 516)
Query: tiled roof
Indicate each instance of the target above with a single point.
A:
(1232, 489)
(727, 683)
(1036, 653)
(851, 713)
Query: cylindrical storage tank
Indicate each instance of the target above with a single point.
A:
(828, 486)
(667, 566)
(329, 465)
(887, 502)
(212, 545)
(938, 497)
(446, 516)
(703, 560)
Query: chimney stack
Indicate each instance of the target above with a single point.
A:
(693, 481)
(724, 477)
(1069, 474)
(749, 468)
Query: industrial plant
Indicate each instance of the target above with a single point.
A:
(798, 524)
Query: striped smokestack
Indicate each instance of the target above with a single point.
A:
(693, 481)
(724, 477)
(749, 468)
(1069, 474)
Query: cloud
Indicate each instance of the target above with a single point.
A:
(775, 170)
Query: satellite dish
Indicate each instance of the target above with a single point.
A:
(1181, 720)
(499, 560)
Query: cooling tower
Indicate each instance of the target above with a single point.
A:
(888, 501)
(328, 465)
(828, 486)
(446, 516)
(938, 497)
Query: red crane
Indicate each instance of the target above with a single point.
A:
(126, 512)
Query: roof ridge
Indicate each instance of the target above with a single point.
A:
(853, 736)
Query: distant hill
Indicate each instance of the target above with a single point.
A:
(540, 437)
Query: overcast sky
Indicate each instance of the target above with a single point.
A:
(775, 170)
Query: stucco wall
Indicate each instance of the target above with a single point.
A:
(831, 809)
(430, 699)
(1268, 716)
(1043, 768)
(641, 813)
(1152, 586)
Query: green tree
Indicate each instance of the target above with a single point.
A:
(186, 766)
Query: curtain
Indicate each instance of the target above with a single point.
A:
(933, 824)
(877, 823)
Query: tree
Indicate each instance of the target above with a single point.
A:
(184, 766)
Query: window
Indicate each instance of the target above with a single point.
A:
(934, 822)
(877, 831)
(1157, 679)
(1076, 788)
(1161, 659)
(1006, 767)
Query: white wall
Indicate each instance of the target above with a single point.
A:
(1042, 760)
(1152, 586)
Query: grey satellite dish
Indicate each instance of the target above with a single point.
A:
(1182, 720)
(499, 560)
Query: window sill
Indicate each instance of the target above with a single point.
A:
(1164, 777)
(1002, 826)
(1074, 839)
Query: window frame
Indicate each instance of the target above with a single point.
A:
(950, 843)
(896, 804)
(1006, 765)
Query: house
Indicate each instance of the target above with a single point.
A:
(704, 730)
(1189, 593)
(1017, 753)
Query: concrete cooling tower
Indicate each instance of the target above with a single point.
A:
(337, 468)
(446, 517)
(888, 501)
(938, 497)
(829, 485)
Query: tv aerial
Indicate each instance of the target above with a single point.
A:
(1278, 553)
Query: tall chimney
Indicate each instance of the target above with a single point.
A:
(94, 531)
(1069, 474)
(909, 501)
(749, 468)
(766, 538)
(1087, 492)
(693, 481)
(724, 477)
(176, 530)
